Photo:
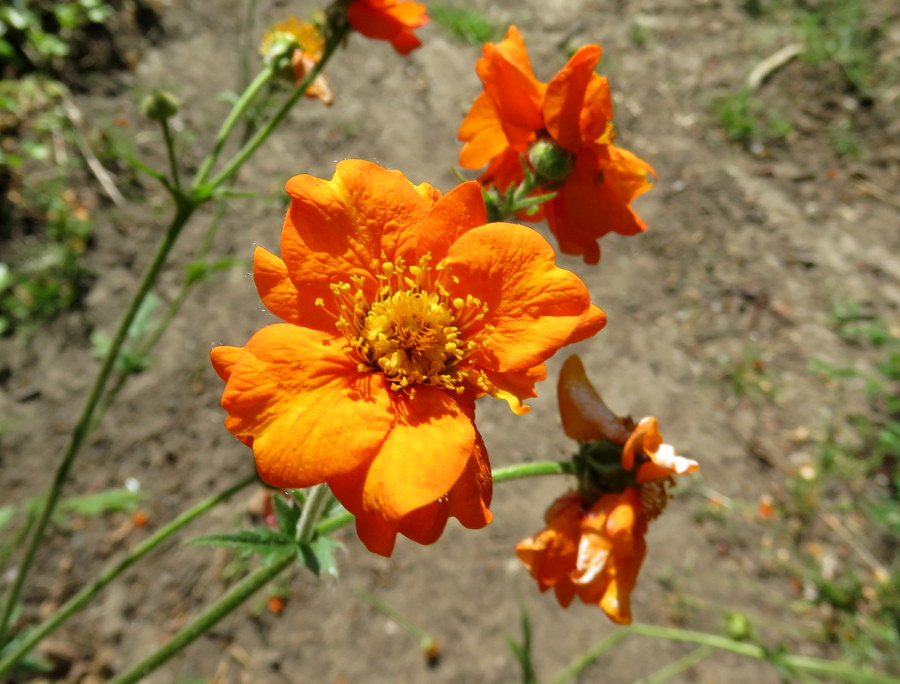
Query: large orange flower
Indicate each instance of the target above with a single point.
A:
(400, 308)
(593, 545)
(571, 118)
(391, 20)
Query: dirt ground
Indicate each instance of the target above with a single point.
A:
(747, 253)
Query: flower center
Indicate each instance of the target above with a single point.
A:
(412, 330)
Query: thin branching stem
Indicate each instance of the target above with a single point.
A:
(79, 600)
(86, 420)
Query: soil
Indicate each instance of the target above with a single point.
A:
(747, 253)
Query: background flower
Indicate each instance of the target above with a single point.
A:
(571, 118)
(391, 20)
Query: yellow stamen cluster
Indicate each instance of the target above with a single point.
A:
(411, 329)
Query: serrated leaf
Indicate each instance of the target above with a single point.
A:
(286, 515)
(319, 555)
(263, 541)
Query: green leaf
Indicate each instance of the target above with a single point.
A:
(522, 651)
(261, 540)
(286, 516)
(110, 500)
(19, 18)
(318, 555)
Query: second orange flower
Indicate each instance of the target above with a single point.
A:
(563, 130)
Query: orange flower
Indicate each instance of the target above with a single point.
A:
(568, 124)
(391, 20)
(401, 308)
(304, 43)
(594, 545)
(590, 551)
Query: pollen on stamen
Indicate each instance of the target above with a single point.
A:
(409, 329)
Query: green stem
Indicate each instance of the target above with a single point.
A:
(233, 598)
(78, 601)
(674, 669)
(522, 470)
(147, 345)
(590, 656)
(831, 668)
(82, 428)
(333, 523)
(426, 641)
(173, 161)
(263, 133)
(315, 503)
(247, 97)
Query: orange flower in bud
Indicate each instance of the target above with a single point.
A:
(594, 545)
(563, 130)
(391, 20)
(304, 43)
(400, 308)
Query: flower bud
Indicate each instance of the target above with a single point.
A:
(738, 626)
(278, 49)
(550, 161)
(160, 105)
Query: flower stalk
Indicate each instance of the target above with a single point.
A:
(85, 421)
(233, 598)
(79, 600)
(818, 666)
(186, 203)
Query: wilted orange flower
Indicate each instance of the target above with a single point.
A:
(401, 308)
(391, 20)
(305, 44)
(594, 545)
(564, 130)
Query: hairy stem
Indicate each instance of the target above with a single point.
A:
(79, 600)
(85, 421)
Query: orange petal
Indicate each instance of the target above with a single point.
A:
(482, 132)
(615, 527)
(596, 199)
(426, 451)
(565, 97)
(223, 359)
(470, 498)
(585, 416)
(374, 531)
(335, 228)
(663, 461)
(389, 20)
(597, 112)
(509, 82)
(516, 386)
(533, 305)
(281, 297)
(550, 554)
(592, 322)
(504, 171)
(467, 500)
(295, 392)
(644, 439)
(458, 211)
